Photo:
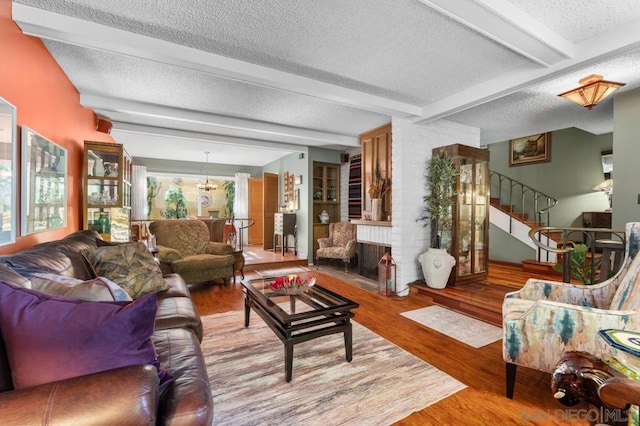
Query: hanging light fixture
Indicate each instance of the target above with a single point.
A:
(207, 186)
(593, 89)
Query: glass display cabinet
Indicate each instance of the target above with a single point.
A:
(107, 190)
(469, 243)
(326, 198)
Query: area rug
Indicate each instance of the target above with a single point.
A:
(382, 384)
(269, 273)
(468, 330)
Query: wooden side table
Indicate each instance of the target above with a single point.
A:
(238, 264)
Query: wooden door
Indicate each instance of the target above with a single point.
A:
(256, 211)
(270, 205)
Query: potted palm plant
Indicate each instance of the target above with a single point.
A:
(438, 214)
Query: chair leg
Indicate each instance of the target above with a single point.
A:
(346, 265)
(317, 263)
(510, 378)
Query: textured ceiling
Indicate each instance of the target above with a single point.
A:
(253, 81)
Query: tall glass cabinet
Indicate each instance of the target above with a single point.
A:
(107, 190)
(469, 243)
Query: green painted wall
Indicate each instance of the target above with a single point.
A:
(575, 168)
(299, 167)
(626, 152)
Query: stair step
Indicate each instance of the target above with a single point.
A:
(533, 265)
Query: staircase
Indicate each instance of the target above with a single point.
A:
(517, 208)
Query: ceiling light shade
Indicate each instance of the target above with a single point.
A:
(593, 89)
(207, 186)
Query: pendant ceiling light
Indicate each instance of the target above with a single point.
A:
(207, 186)
(593, 89)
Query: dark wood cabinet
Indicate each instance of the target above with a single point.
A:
(326, 197)
(107, 190)
(468, 242)
(596, 220)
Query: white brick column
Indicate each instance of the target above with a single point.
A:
(411, 149)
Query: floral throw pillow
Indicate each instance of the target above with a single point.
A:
(131, 266)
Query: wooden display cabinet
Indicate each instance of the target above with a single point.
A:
(107, 190)
(469, 240)
(326, 196)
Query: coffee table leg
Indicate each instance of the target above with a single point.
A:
(347, 341)
(247, 310)
(288, 361)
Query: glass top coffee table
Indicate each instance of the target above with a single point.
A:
(298, 318)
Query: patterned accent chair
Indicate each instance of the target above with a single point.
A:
(341, 243)
(184, 248)
(545, 319)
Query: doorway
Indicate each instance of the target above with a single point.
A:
(270, 204)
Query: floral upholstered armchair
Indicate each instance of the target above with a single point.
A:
(545, 319)
(184, 248)
(341, 243)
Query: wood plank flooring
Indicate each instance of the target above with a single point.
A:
(482, 369)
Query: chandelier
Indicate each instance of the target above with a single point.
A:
(207, 186)
(593, 89)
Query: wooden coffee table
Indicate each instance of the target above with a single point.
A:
(295, 319)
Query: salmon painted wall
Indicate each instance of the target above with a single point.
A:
(48, 103)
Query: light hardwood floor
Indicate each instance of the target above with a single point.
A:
(482, 370)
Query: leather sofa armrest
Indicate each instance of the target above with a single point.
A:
(127, 395)
(219, 248)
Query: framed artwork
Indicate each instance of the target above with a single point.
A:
(44, 183)
(530, 150)
(8, 173)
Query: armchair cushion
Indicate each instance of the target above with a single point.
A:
(341, 243)
(131, 266)
(49, 339)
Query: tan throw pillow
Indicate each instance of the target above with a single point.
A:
(99, 289)
(131, 266)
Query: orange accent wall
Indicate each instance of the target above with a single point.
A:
(48, 103)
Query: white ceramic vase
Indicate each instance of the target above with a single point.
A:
(324, 217)
(436, 267)
(376, 209)
(98, 167)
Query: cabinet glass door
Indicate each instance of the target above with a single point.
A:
(481, 211)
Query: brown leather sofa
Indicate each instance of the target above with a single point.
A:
(126, 395)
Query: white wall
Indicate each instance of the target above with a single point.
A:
(411, 149)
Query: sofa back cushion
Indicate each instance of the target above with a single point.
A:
(188, 236)
(60, 257)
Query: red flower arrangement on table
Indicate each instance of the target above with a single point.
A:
(292, 284)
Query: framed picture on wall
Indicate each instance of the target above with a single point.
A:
(530, 150)
(44, 183)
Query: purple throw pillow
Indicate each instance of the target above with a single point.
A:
(49, 338)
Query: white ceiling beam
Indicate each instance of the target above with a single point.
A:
(592, 51)
(141, 129)
(54, 26)
(508, 25)
(305, 136)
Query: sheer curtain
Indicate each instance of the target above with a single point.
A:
(139, 193)
(241, 202)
